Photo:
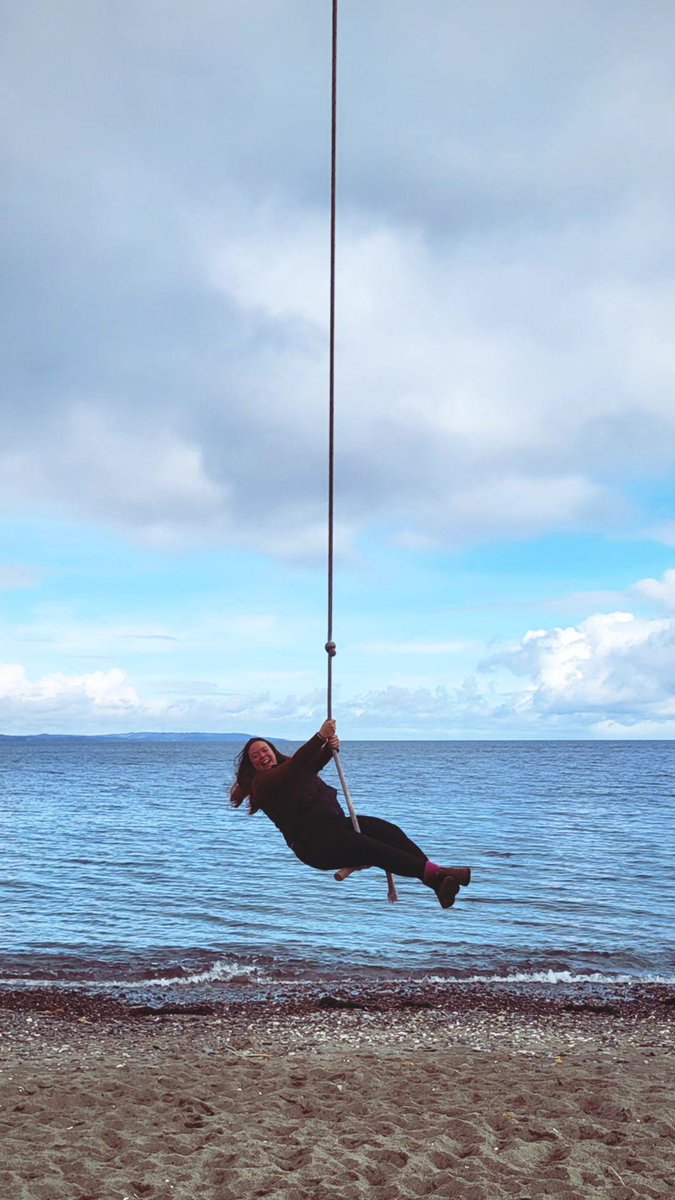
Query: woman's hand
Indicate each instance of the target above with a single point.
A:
(328, 731)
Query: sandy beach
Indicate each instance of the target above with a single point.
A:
(480, 1096)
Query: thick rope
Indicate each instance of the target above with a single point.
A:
(330, 644)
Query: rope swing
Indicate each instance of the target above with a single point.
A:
(331, 648)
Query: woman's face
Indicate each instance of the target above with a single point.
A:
(261, 756)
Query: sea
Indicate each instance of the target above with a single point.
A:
(125, 870)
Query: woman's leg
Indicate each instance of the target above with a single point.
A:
(339, 845)
(393, 835)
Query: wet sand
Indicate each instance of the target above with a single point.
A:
(478, 1093)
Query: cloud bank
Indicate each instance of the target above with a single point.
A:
(612, 674)
(505, 307)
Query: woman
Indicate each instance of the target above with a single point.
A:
(306, 810)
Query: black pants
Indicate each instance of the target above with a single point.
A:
(379, 844)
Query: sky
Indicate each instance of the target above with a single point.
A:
(505, 368)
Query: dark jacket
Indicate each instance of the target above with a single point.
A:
(293, 796)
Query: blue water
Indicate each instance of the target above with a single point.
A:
(124, 863)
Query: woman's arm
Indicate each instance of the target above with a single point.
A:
(318, 751)
(312, 756)
(323, 757)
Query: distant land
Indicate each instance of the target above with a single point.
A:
(130, 737)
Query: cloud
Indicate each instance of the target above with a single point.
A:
(504, 365)
(65, 698)
(636, 730)
(646, 593)
(108, 701)
(427, 712)
(612, 674)
(658, 591)
(611, 667)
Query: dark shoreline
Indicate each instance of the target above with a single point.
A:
(636, 1001)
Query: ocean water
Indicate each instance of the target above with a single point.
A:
(124, 867)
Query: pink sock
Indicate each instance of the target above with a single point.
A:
(431, 871)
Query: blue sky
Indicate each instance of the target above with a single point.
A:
(505, 369)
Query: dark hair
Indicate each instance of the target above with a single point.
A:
(241, 788)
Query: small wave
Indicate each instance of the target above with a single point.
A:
(219, 972)
(553, 977)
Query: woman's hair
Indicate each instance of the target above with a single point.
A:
(241, 788)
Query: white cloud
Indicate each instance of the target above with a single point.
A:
(658, 591)
(612, 666)
(613, 674)
(108, 702)
(105, 693)
(423, 712)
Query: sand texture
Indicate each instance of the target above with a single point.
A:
(338, 1103)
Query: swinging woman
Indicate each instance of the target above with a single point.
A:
(307, 812)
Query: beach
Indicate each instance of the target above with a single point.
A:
(476, 1092)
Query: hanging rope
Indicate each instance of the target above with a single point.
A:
(330, 644)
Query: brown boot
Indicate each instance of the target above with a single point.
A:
(461, 875)
(446, 889)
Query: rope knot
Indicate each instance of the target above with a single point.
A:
(331, 649)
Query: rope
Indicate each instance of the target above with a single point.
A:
(330, 644)
(331, 648)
